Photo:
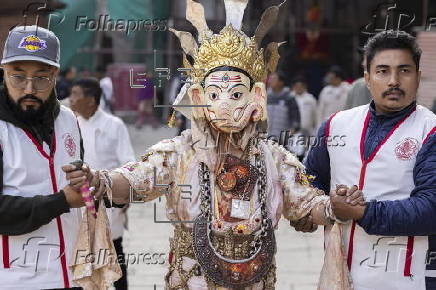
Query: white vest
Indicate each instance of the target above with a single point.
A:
(35, 260)
(379, 262)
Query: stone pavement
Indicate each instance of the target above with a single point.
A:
(299, 257)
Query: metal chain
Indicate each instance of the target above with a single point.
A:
(260, 165)
(206, 196)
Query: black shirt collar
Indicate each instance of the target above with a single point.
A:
(391, 116)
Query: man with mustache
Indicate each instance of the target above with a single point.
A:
(390, 154)
(39, 211)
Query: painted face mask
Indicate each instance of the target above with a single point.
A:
(226, 72)
(231, 100)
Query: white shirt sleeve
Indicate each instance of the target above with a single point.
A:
(321, 106)
(107, 87)
(124, 150)
(313, 115)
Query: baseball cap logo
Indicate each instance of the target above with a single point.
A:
(32, 43)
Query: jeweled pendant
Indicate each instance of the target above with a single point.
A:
(226, 181)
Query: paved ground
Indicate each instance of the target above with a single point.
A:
(299, 256)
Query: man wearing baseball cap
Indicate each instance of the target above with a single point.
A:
(39, 215)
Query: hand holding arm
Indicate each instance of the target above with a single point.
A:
(413, 216)
(347, 203)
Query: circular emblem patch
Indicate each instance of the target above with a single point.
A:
(32, 43)
(70, 145)
(406, 148)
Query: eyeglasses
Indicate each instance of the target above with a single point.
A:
(39, 84)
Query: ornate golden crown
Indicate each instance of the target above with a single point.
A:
(231, 47)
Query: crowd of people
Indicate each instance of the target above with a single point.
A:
(292, 109)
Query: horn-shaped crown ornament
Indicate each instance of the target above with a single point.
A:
(231, 47)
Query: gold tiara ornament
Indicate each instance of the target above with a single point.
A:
(230, 48)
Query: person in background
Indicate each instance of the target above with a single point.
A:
(107, 145)
(299, 142)
(283, 112)
(64, 82)
(359, 93)
(334, 95)
(83, 72)
(106, 100)
(306, 104)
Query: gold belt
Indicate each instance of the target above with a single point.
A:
(227, 244)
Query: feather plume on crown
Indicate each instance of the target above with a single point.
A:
(231, 47)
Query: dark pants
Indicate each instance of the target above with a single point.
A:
(121, 284)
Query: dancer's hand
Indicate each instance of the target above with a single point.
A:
(304, 225)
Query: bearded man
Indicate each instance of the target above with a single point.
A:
(39, 213)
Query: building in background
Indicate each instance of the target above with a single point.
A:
(317, 34)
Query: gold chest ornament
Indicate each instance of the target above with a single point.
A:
(238, 177)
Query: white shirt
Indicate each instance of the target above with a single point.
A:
(331, 100)
(307, 105)
(107, 146)
(107, 87)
